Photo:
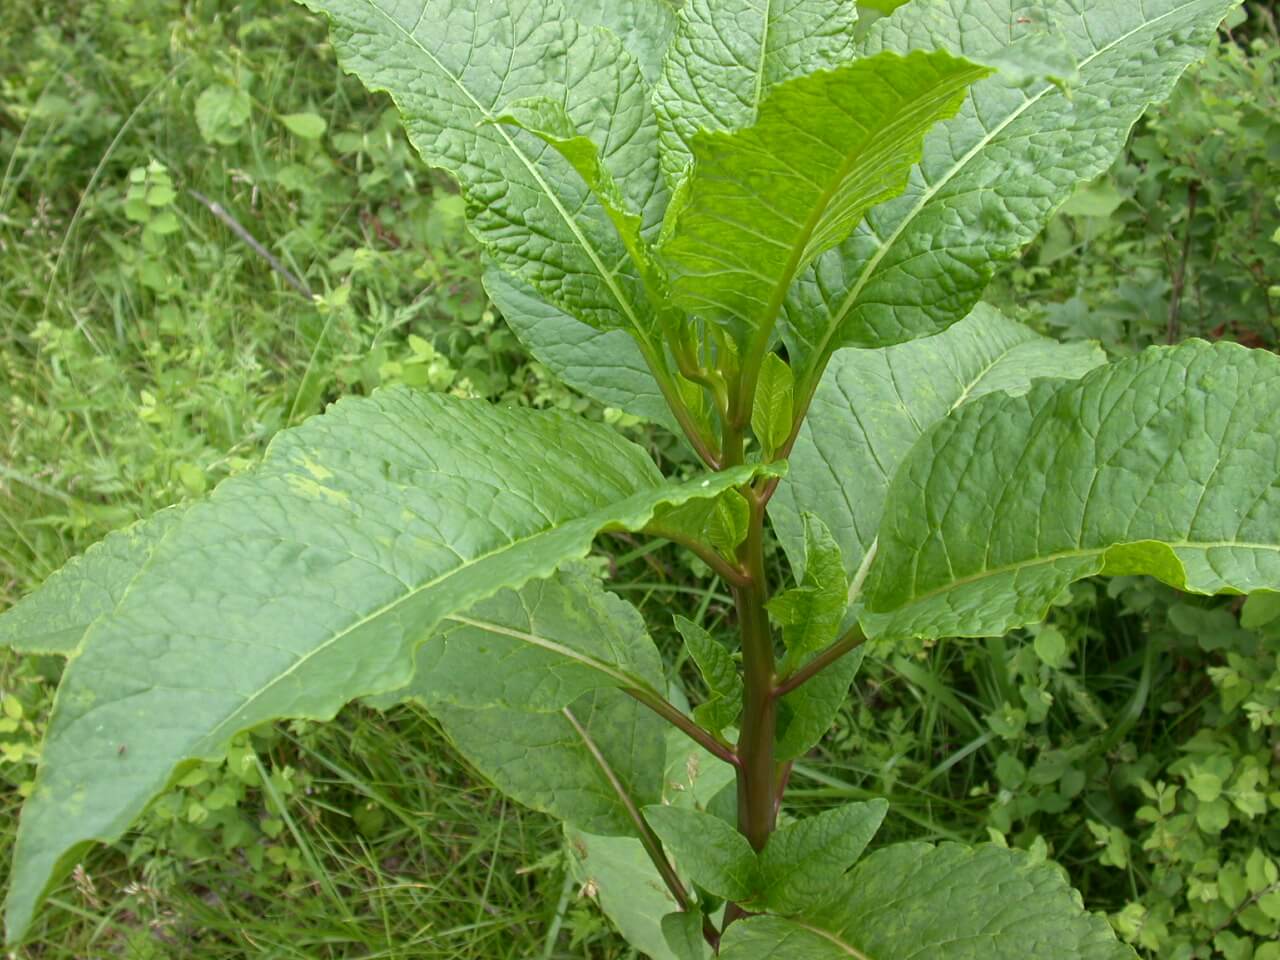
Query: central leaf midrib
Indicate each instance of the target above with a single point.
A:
(607, 275)
(882, 250)
(886, 138)
(848, 948)
(1070, 555)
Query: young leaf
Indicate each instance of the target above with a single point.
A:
(774, 404)
(449, 65)
(728, 54)
(713, 853)
(1164, 464)
(605, 365)
(548, 120)
(592, 764)
(308, 582)
(55, 617)
(718, 672)
(991, 177)
(720, 521)
(805, 861)
(810, 612)
(946, 903)
(764, 201)
(538, 648)
(806, 713)
(873, 405)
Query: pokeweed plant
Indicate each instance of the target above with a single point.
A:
(767, 228)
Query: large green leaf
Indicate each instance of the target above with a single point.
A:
(727, 54)
(524, 683)
(590, 764)
(452, 65)
(1167, 464)
(992, 176)
(645, 27)
(944, 903)
(308, 582)
(605, 365)
(55, 617)
(764, 201)
(538, 649)
(620, 876)
(873, 405)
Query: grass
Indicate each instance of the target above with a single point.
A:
(146, 352)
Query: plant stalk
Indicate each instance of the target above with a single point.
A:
(756, 773)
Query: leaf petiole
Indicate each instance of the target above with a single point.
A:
(852, 639)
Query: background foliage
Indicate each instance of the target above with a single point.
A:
(147, 350)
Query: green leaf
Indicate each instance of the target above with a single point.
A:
(54, 618)
(538, 648)
(873, 405)
(772, 410)
(727, 524)
(764, 201)
(728, 54)
(1051, 647)
(548, 120)
(1260, 609)
(811, 612)
(720, 521)
(683, 933)
(1162, 464)
(308, 126)
(308, 582)
(590, 764)
(720, 674)
(991, 177)
(945, 903)
(450, 64)
(605, 365)
(221, 112)
(645, 28)
(713, 853)
(804, 861)
(805, 714)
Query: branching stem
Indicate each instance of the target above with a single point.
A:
(853, 639)
(685, 724)
(756, 774)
